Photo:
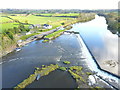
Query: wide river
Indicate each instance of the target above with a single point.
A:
(19, 65)
(101, 42)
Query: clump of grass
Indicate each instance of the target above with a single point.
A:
(76, 76)
(45, 41)
(66, 62)
(63, 68)
(77, 68)
(88, 73)
(43, 71)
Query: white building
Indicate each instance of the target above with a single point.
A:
(46, 26)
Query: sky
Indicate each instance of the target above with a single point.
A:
(59, 4)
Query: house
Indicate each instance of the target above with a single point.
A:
(46, 26)
(34, 26)
(37, 25)
(19, 41)
(28, 33)
(31, 27)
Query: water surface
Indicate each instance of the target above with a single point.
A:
(19, 65)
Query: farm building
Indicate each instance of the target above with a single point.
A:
(46, 26)
(34, 26)
(28, 33)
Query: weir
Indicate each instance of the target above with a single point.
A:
(94, 66)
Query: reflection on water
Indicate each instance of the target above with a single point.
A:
(102, 43)
(55, 80)
(21, 64)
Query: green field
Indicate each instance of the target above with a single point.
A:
(4, 19)
(57, 14)
(9, 26)
(36, 19)
(15, 26)
(53, 34)
(32, 19)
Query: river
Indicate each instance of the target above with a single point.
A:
(18, 66)
(102, 43)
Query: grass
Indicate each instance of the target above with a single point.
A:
(27, 36)
(76, 76)
(88, 73)
(4, 19)
(66, 62)
(7, 26)
(43, 71)
(36, 19)
(57, 14)
(77, 68)
(31, 19)
(63, 68)
(68, 14)
(54, 34)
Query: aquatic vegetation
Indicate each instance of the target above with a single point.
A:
(97, 88)
(43, 65)
(63, 68)
(66, 62)
(76, 76)
(77, 68)
(37, 68)
(88, 73)
(45, 41)
(43, 71)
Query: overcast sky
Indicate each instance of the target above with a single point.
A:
(59, 4)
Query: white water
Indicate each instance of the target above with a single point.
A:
(91, 63)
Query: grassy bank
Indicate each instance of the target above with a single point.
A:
(28, 36)
(15, 26)
(53, 35)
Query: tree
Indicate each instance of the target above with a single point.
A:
(62, 23)
(21, 27)
(26, 21)
(9, 33)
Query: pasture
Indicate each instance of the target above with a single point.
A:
(7, 23)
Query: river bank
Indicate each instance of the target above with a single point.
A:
(40, 36)
(112, 20)
(23, 43)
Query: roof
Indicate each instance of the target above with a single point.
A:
(46, 25)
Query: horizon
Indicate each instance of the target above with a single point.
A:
(60, 4)
(56, 9)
